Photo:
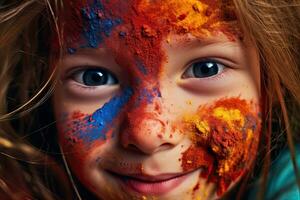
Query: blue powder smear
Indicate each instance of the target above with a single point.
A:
(97, 125)
(96, 26)
(142, 68)
(147, 95)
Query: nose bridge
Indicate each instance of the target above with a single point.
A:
(146, 124)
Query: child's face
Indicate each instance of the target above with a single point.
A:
(157, 99)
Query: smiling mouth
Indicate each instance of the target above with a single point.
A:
(151, 185)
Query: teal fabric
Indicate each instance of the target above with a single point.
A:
(282, 179)
(282, 183)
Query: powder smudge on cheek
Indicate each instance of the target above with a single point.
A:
(225, 139)
(88, 130)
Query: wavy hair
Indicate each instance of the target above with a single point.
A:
(29, 155)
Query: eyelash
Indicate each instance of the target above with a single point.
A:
(101, 73)
(188, 73)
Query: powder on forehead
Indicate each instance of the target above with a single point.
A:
(200, 18)
(93, 20)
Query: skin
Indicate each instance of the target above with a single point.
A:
(151, 137)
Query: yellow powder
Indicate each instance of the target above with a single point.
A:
(225, 168)
(203, 127)
(230, 116)
(187, 16)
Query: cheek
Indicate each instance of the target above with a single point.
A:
(80, 134)
(225, 140)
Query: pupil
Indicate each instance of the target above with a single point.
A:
(205, 69)
(94, 78)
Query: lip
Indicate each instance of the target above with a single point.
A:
(151, 185)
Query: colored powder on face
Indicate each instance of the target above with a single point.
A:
(96, 25)
(142, 68)
(108, 113)
(195, 157)
(90, 128)
(228, 133)
(199, 18)
(145, 25)
(148, 95)
(85, 24)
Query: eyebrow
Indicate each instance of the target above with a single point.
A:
(192, 42)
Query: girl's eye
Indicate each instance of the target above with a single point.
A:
(95, 77)
(203, 69)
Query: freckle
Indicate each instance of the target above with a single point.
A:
(179, 159)
(160, 136)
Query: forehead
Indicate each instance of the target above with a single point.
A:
(92, 21)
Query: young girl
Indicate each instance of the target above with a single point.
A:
(144, 99)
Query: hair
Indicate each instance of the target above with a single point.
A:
(28, 150)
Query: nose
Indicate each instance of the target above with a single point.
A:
(148, 130)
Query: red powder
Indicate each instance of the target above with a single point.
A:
(77, 115)
(196, 157)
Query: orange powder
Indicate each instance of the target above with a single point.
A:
(199, 18)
